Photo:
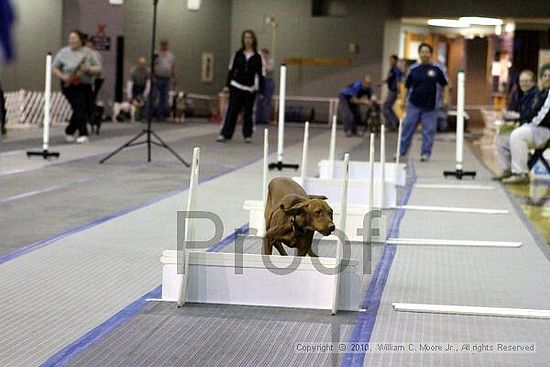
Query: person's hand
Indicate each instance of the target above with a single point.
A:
(84, 68)
(66, 78)
(445, 104)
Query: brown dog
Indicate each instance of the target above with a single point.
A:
(292, 217)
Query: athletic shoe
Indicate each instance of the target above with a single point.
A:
(82, 139)
(424, 158)
(505, 174)
(69, 138)
(248, 140)
(517, 179)
(220, 139)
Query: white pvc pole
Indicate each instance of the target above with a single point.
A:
(460, 121)
(332, 147)
(265, 167)
(304, 153)
(371, 173)
(282, 96)
(341, 227)
(189, 232)
(382, 165)
(47, 103)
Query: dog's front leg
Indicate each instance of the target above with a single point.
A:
(268, 246)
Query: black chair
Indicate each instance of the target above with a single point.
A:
(537, 155)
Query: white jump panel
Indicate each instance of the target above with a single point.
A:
(358, 191)
(458, 243)
(473, 310)
(359, 170)
(214, 277)
(354, 222)
(452, 209)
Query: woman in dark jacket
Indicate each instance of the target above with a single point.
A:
(245, 78)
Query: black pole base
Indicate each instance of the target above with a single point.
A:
(148, 133)
(280, 166)
(46, 154)
(459, 174)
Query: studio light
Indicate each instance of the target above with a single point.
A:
(481, 21)
(451, 23)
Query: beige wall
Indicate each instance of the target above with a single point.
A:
(301, 35)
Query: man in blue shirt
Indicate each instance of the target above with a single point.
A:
(392, 81)
(421, 86)
(351, 99)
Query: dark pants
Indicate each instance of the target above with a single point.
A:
(239, 99)
(392, 121)
(3, 112)
(351, 114)
(80, 99)
(160, 89)
(263, 104)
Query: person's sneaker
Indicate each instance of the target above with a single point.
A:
(220, 139)
(82, 139)
(3, 131)
(248, 140)
(505, 174)
(517, 179)
(69, 138)
(424, 158)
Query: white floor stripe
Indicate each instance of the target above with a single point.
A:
(454, 187)
(452, 209)
(473, 310)
(440, 242)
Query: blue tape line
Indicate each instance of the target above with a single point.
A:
(93, 336)
(70, 351)
(364, 324)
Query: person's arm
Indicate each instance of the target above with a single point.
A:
(92, 65)
(445, 101)
(230, 72)
(261, 75)
(58, 73)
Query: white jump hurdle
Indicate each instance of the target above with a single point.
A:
(355, 213)
(253, 279)
(359, 170)
(473, 310)
(385, 195)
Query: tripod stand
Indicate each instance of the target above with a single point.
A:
(148, 132)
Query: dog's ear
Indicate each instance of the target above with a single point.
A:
(296, 209)
(322, 197)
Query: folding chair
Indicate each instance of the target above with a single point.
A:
(537, 155)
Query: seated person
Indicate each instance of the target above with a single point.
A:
(533, 132)
(351, 99)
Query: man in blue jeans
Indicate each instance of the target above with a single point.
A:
(165, 72)
(421, 87)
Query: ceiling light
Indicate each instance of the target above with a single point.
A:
(481, 20)
(452, 23)
(509, 27)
